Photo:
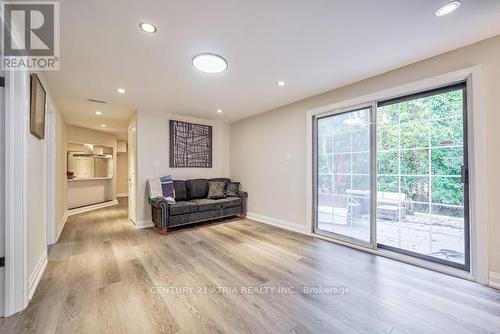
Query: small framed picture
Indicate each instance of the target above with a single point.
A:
(37, 108)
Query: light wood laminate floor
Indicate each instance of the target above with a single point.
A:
(104, 276)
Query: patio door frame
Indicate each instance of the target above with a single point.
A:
(465, 171)
(372, 106)
(478, 169)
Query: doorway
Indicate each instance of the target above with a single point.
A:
(393, 175)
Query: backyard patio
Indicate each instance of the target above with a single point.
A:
(434, 235)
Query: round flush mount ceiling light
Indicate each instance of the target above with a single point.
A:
(103, 125)
(448, 8)
(281, 83)
(121, 90)
(209, 63)
(219, 111)
(98, 112)
(148, 27)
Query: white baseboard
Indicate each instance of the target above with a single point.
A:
(277, 222)
(144, 224)
(36, 275)
(87, 208)
(494, 280)
(122, 195)
(63, 221)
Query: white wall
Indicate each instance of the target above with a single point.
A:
(37, 201)
(261, 145)
(153, 155)
(60, 163)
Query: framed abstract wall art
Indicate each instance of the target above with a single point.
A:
(190, 145)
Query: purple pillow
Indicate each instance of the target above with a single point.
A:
(167, 186)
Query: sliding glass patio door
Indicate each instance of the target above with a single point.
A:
(344, 182)
(422, 182)
(393, 175)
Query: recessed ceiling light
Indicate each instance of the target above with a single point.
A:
(280, 83)
(148, 27)
(219, 111)
(103, 125)
(121, 90)
(98, 113)
(448, 8)
(210, 63)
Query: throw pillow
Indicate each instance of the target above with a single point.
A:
(232, 189)
(167, 187)
(216, 190)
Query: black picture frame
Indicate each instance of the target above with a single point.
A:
(38, 99)
(190, 145)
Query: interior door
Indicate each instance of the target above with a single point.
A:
(2, 187)
(132, 136)
(344, 182)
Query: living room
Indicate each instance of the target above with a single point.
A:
(278, 166)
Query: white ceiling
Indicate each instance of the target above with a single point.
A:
(314, 46)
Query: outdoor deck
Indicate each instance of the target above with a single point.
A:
(435, 235)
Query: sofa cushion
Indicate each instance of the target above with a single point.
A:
(180, 190)
(220, 179)
(182, 207)
(207, 204)
(232, 189)
(194, 217)
(230, 202)
(197, 188)
(216, 189)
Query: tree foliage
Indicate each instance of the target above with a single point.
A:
(419, 149)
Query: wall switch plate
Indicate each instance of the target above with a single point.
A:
(288, 156)
(156, 163)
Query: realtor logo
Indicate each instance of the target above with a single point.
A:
(30, 36)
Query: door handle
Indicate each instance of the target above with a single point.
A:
(465, 174)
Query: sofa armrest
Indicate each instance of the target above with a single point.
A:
(243, 195)
(159, 212)
(158, 201)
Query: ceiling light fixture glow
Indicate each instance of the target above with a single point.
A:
(209, 63)
(103, 125)
(219, 111)
(448, 8)
(121, 90)
(148, 27)
(280, 83)
(98, 112)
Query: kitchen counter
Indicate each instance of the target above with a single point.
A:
(89, 191)
(90, 179)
